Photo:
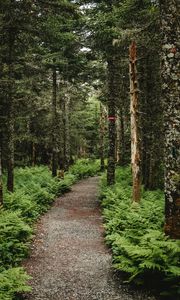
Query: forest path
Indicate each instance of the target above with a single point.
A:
(69, 260)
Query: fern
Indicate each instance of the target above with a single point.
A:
(135, 234)
(13, 281)
(35, 190)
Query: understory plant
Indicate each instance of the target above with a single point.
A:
(85, 168)
(135, 233)
(35, 191)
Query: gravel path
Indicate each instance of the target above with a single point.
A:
(69, 260)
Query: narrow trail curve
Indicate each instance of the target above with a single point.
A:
(69, 260)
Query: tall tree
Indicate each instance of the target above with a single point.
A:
(15, 20)
(1, 180)
(102, 136)
(54, 123)
(170, 93)
(135, 147)
(112, 119)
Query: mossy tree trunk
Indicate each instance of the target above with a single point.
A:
(170, 96)
(135, 146)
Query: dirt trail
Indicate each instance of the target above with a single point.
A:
(69, 260)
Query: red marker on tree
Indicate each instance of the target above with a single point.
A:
(111, 118)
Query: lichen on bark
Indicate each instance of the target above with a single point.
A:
(170, 96)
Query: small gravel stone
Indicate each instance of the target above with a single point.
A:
(69, 260)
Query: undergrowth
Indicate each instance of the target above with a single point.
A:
(135, 233)
(35, 191)
(85, 168)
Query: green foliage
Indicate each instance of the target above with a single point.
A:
(23, 203)
(35, 190)
(14, 237)
(85, 168)
(135, 234)
(13, 281)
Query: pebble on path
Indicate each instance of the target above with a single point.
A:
(69, 259)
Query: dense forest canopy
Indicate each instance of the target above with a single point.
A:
(54, 54)
(92, 79)
(57, 55)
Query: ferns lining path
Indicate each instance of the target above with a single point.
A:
(69, 260)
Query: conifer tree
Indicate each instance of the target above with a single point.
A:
(15, 20)
(170, 97)
(1, 180)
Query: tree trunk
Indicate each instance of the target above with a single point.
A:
(135, 147)
(33, 154)
(151, 122)
(10, 162)
(112, 120)
(118, 139)
(54, 124)
(120, 157)
(170, 94)
(66, 133)
(11, 116)
(102, 132)
(1, 182)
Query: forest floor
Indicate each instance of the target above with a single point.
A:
(69, 259)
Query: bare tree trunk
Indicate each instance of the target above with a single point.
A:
(102, 132)
(1, 182)
(135, 147)
(171, 101)
(54, 124)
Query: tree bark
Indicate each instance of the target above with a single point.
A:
(120, 156)
(1, 182)
(135, 147)
(66, 133)
(11, 116)
(54, 124)
(102, 133)
(111, 118)
(170, 94)
(33, 154)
